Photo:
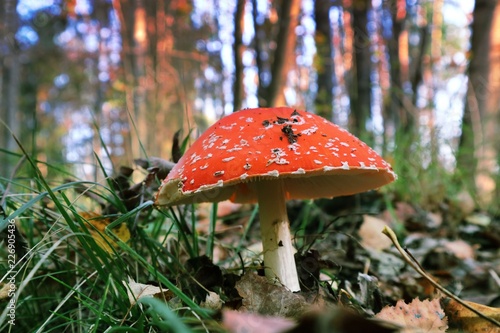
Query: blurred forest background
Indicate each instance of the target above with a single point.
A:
(418, 80)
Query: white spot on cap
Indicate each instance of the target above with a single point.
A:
(244, 176)
(218, 173)
(194, 158)
(274, 173)
(209, 155)
(328, 168)
(203, 167)
(191, 181)
(318, 162)
(309, 131)
(294, 147)
(247, 166)
(227, 159)
(345, 165)
(277, 157)
(344, 144)
(299, 171)
(362, 165)
(249, 120)
(258, 137)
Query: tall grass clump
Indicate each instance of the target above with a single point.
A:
(79, 250)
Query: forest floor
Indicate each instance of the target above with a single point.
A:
(203, 264)
(350, 270)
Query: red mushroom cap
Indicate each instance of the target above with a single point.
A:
(314, 157)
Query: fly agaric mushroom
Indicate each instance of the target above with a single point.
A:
(270, 156)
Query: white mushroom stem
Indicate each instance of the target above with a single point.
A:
(279, 258)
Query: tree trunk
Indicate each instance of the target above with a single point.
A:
(285, 43)
(475, 149)
(395, 113)
(324, 59)
(259, 61)
(9, 81)
(159, 65)
(238, 55)
(360, 89)
(493, 105)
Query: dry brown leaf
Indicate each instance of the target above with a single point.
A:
(261, 296)
(135, 291)
(418, 316)
(461, 249)
(463, 319)
(5, 289)
(241, 322)
(371, 234)
(465, 203)
(212, 301)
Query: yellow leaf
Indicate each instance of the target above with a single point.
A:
(4, 290)
(466, 320)
(96, 227)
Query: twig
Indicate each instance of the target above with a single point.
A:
(412, 262)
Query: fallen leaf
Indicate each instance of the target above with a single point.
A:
(461, 249)
(5, 288)
(97, 228)
(480, 219)
(464, 319)
(212, 301)
(242, 322)
(418, 316)
(465, 203)
(135, 291)
(261, 296)
(371, 234)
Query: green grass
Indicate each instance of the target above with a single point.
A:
(66, 282)
(422, 177)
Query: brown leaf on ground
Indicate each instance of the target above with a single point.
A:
(242, 322)
(212, 301)
(465, 320)
(371, 234)
(135, 291)
(461, 249)
(261, 296)
(418, 316)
